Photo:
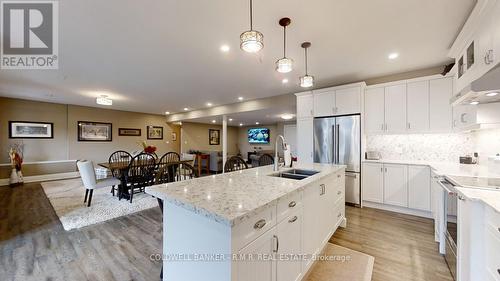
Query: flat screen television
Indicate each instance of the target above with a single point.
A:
(258, 135)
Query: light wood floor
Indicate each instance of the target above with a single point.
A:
(403, 245)
(34, 246)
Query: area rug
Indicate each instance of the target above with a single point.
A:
(344, 265)
(66, 197)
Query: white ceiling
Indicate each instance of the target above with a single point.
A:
(249, 118)
(157, 56)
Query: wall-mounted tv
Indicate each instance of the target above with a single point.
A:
(258, 135)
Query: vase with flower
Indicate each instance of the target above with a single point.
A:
(16, 162)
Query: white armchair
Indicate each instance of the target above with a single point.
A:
(90, 182)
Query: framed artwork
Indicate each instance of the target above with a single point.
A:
(174, 136)
(213, 137)
(129, 132)
(30, 130)
(94, 131)
(155, 133)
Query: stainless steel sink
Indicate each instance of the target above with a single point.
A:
(295, 174)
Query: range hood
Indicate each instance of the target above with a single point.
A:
(479, 89)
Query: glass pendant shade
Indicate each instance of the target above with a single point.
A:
(251, 41)
(284, 65)
(306, 81)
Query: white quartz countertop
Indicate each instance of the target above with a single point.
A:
(231, 197)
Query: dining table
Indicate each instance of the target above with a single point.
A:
(122, 167)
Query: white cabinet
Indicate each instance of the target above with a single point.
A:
(440, 110)
(311, 224)
(374, 110)
(418, 106)
(395, 108)
(373, 182)
(289, 233)
(259, 269)
(395, 185)
(464, 116)
(324, 103)
(419, 188)
(305, 140)
(304, 105)
(348, 101)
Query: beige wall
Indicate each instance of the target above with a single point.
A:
(195, 137)
(247, 147)
(64, 145)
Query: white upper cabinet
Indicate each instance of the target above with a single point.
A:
(374, 110)
(395, 108)
(418, 106)
(419, 188)
(324, 103)
(440, 110)
(304, 105)
(348, 101)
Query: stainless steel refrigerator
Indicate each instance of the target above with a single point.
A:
(337, 140)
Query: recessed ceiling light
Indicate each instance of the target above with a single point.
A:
(240, 98)
(186, 109)
(104, 100)
(167, 112)
(213, 121)
(225, 48)
(209, 104)
(230, 119)
(257, 123)
(241, 124)
(474, 102)
(492, 94)
(393, 56)
(284, 81)
(286, 116)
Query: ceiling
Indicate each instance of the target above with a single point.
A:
(156, 56)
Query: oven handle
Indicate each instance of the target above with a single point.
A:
(450, 192)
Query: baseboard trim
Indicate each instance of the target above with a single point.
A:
(396, 209)
(40, 178)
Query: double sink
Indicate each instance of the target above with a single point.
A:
(295, 174)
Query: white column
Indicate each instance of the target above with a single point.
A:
(224, 141)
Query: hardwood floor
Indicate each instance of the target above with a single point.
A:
(403, 245)
(34, 246)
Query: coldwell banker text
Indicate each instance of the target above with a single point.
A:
(29, 35)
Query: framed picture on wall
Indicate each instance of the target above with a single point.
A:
(155, 133)
(94, 131)
(174, 136)
(30, 130)
(213, 137)
(127, 132)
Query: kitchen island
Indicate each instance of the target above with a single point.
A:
(250, 224)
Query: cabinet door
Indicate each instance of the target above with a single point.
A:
(305, 106)
(324, 103)
(289, 233)
(348, 101)
(373, 182)
(419, 188)
(496, 33)
(374, 110)
(440, 110)
(305, 140)
(395, 108)
(258, 269)
(396, 185)
(418, 106)
(464, 115)
(311, 224)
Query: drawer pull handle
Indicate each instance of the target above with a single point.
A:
(339, 192)
(292, 204)
(498, 270)
(260, 224)
(339, 215)
(292, 220)
(498, 229)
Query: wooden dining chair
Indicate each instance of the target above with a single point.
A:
(266, 159)
(121, 158)
(165, 171)
(90, 182)
(235, 163)
(140, 174)
(186, 171)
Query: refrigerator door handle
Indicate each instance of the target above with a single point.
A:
(334, 148)
(337, 137)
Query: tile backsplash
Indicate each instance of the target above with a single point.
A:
(435, 147)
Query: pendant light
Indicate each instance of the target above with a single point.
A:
(307, 80)
(251, 41)
(284, 65)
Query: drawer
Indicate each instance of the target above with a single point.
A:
(288, 204)
(492, 249)
(339, 211)
(335, 183)
(253, 227)
(493, 219)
